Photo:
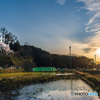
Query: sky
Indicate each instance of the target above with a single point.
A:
(54, 25)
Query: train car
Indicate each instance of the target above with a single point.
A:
(41, 69)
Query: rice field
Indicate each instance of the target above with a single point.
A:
(11, 81)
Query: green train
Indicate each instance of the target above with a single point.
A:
(41, 69)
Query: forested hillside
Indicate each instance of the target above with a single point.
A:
(27, 56)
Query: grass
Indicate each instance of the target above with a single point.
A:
(23, 74)
(15, 73)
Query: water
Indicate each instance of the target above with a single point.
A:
(55, 90)
(64, 74)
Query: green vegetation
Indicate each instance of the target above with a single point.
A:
(5, 60)
(22, 74)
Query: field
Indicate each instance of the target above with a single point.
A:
(24, 75)
(12, 81)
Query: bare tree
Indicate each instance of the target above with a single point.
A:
(7, 37)
(4, 32)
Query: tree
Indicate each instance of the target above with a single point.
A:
(26, 51)
(11, 45)
(7, 37)
(10, 38)
(3, 31)
(16, 46)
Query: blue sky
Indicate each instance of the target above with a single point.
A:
(54, 25)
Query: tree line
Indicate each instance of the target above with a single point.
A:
(41, 58)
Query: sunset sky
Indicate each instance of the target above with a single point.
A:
(54, 25)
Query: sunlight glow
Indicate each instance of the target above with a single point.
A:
(98, 52)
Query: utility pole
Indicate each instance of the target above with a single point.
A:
(51, 61)
(70, 57)
(95, 58)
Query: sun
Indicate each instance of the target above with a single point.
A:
(98, 52)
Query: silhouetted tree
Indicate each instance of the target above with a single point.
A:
(16, 46)
(4, 32)
(7, 37)
(11, 45)
(26, 51)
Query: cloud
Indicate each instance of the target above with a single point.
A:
(89, 50)
(61, 2)
(93, 25)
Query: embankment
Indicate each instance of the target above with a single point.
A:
(19, 63)
(91, 80)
